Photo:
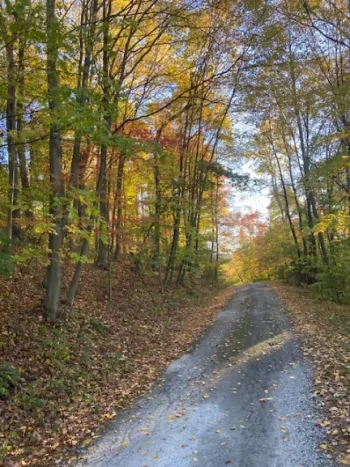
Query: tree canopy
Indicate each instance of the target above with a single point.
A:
(122, 123)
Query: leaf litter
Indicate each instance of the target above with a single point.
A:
(325, 328)
(76, 375)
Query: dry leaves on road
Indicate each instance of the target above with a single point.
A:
(325, 329)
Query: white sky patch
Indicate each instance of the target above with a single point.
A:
(246, 202)
(253, 199)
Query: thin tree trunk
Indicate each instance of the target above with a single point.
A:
(11, 110)
(297, 204)
(119, 206)
(21, 148)
(311, 203)
(73, 287)
(177, 214)
(286, 201)
(157, 210)
(84, 75)
(101, 260)
(217, 256)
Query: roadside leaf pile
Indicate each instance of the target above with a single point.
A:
(60, 383)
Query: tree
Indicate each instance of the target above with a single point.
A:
(53, 278)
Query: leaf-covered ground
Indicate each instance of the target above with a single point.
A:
(325, 329)
(61, 384)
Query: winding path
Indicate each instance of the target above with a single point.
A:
(242, 398)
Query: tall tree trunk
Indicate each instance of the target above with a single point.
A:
(217, 255)
(311, 203)
(53, 278)
(102, 250)
(21, 148)
(296, 200)
(157, 210)
(178, 209)
(11, 110)
(285, 195)
(88, 15)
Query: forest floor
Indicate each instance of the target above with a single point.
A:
(325, 329)
(60, 384)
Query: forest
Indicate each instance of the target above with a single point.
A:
(298, 142)
(127, 130)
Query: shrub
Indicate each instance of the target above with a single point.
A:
(6, 262)
(9, 378)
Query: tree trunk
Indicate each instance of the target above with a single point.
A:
(11, 110)
(73, 287)
(102, 250)
(53, 278)
(101, 260)
(286, 201)
(21, 148)
(119, 206)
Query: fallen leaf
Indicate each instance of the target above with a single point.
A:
(345, 460)
(324, 423)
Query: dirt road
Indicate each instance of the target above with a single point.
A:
(242, 398)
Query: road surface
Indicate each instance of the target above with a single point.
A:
(241, 398)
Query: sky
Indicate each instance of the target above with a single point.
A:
(255, 198)
(248, 201)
